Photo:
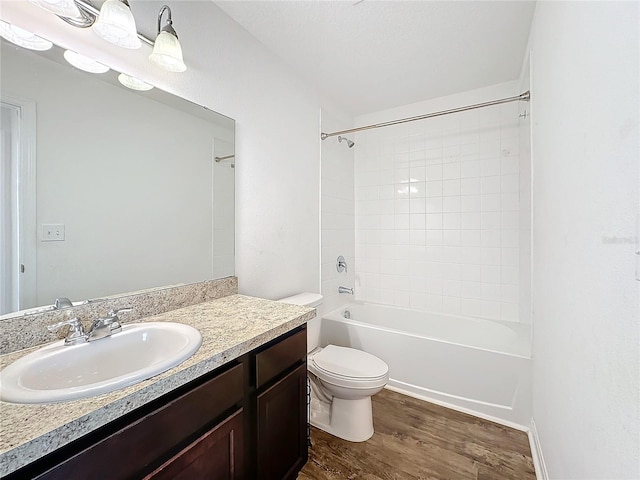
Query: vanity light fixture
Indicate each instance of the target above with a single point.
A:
(23, 38)
(116, 24)
(64, 8)
(133, 83)
(84, 63)
(167, 52)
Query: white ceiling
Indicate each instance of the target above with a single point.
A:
(372, 55)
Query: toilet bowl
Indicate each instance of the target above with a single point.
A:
(342, 382)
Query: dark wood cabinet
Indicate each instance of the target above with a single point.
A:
(282, 427)
(245, 420)
(216, 455)
(127, 451)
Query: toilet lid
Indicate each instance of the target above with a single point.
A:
(349, 362)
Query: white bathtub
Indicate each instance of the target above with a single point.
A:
(474, 365)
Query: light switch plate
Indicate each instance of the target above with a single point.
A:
(52, 232)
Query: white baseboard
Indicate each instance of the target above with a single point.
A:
(536, 453)
(484, 416)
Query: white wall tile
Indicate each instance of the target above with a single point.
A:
(471, 203)
(451, 187)
(437, 214)
(470, 186)
(490, 166)
(451, 221)
(470, 307)
(451, 171)
(490, 238)
(452, 237)
(470, 238)
(433, 172)
(470, 169)
(451, 204)
(491, 274)
(451, 305)
(490, 310)
(490, 184)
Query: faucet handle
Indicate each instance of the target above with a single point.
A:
(115, 321)
(76, 331)
(341, 264)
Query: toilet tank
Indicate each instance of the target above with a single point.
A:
(313, 326)
(304, 299)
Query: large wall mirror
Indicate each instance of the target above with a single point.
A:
(107, 190)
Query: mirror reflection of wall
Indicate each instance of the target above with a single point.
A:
(128, 193)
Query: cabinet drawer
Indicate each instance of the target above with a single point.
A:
(154, 435)
(272, 361)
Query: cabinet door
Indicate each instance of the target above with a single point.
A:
(216, 455)
(282, 427)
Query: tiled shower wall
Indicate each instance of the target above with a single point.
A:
(437, 208)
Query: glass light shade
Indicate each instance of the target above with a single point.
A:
(167, 53)
(84, 63)
(64, 8)
(23, 38)
(133, 83)
(116, 25)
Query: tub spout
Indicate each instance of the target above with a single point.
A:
(345, 290)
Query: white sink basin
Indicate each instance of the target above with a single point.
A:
(57, 373)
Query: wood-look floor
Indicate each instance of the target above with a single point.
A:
(419, 440)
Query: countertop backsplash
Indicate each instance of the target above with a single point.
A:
(30, 329)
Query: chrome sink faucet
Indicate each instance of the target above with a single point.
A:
(106, 326)
(100, 328)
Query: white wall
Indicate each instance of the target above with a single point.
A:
(437, 207)
(277, 131)
(525, 240)
(586, 346)
(337, 212)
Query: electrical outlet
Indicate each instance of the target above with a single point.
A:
(52, 232)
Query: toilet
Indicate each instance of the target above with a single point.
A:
(343, 380)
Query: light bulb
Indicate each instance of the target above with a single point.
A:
(84, 63)
(133, 83)
(116, 25)
(64, 8)
(23, 38)
(167, 53)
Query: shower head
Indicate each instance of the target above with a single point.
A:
(349, 142)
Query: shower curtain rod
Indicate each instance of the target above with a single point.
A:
(523, 97)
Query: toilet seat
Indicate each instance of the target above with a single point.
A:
(348, 367)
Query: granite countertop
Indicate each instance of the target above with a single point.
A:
(230, 326)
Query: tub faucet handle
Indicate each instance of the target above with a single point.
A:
(341, 264)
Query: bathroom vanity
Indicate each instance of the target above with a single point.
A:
(236, 409)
